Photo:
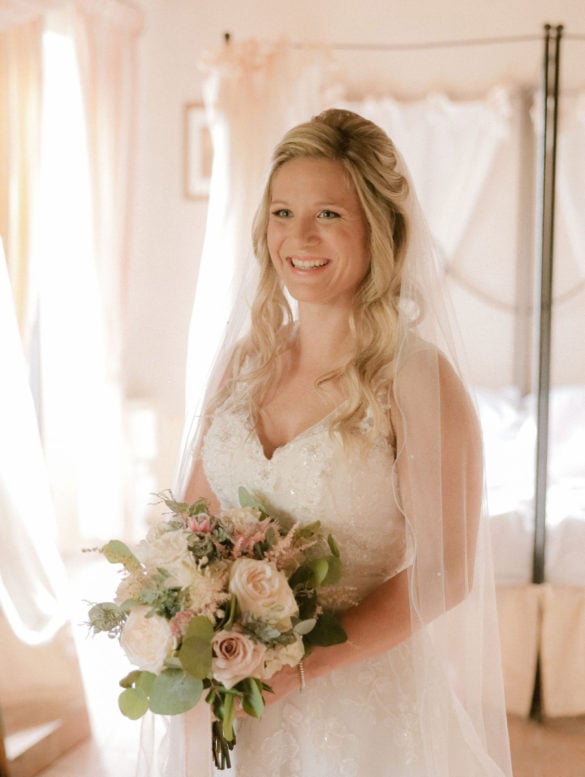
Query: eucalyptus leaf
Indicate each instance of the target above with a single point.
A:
(247, 500)
(320, 568)
(201, 628)
(195, 656)
(118, 552)
(130, 679)
(333, 570)
(195, 652)
(133, 703)
(333, 546)
(145, 681)
(174, 691)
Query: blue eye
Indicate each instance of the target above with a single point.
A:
(328, 214)
(281, 213)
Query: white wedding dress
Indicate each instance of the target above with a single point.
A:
(362, 720)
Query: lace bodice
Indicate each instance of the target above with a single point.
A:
(313, 478)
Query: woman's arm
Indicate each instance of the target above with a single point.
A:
(378, 623)
(198, 488)
(443, 574)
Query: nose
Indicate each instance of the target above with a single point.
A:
(305, 230)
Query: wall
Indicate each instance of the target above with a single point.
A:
(168, 229)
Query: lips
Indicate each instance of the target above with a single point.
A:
(307, 263)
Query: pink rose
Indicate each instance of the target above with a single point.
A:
(235, 657)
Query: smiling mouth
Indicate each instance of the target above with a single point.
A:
(307, 264)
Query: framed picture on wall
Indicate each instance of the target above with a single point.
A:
(197, 152)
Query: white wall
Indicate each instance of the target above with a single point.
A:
(168, 229)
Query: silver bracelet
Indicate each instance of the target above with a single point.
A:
(301, 676)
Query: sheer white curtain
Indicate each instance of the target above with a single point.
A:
(106, 39)
(32, 578)
(20, 108)
(67, 112)
(253, 93)
(88, 154)
(16, 12)
(450, 147)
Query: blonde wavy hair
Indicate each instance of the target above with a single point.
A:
(370, 161)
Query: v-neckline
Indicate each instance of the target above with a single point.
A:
(294, 439)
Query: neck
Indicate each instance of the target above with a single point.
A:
(323, 337)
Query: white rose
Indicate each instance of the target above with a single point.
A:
(147, 641)
(242, 518)
(282, 655)
(261, 590)
(170, 551)
(235, 657)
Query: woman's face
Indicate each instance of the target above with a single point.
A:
(317, 233)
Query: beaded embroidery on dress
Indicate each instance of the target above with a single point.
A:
(361, 720)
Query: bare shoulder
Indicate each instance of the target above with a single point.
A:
(427, 388)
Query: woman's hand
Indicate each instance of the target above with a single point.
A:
(285, 681)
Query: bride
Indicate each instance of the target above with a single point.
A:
(339, 406)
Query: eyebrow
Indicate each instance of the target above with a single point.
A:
(330, 203)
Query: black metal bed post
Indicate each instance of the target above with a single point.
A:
(552, 46)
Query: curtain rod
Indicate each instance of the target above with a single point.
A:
(437, 44)
(418, 46)
(504, 39)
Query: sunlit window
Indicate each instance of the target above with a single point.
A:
(76, 410)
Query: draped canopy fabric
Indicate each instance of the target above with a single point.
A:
(571, 180)
(449, 147)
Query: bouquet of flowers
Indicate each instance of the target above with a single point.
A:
(217, 604)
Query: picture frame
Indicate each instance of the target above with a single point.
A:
(198, 152)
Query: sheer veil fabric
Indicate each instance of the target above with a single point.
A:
(453, 648)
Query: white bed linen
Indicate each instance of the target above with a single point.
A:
(509, 430)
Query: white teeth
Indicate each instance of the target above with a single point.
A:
(308, 264)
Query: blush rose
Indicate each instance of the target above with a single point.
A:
(235, 657)
(262, 591)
